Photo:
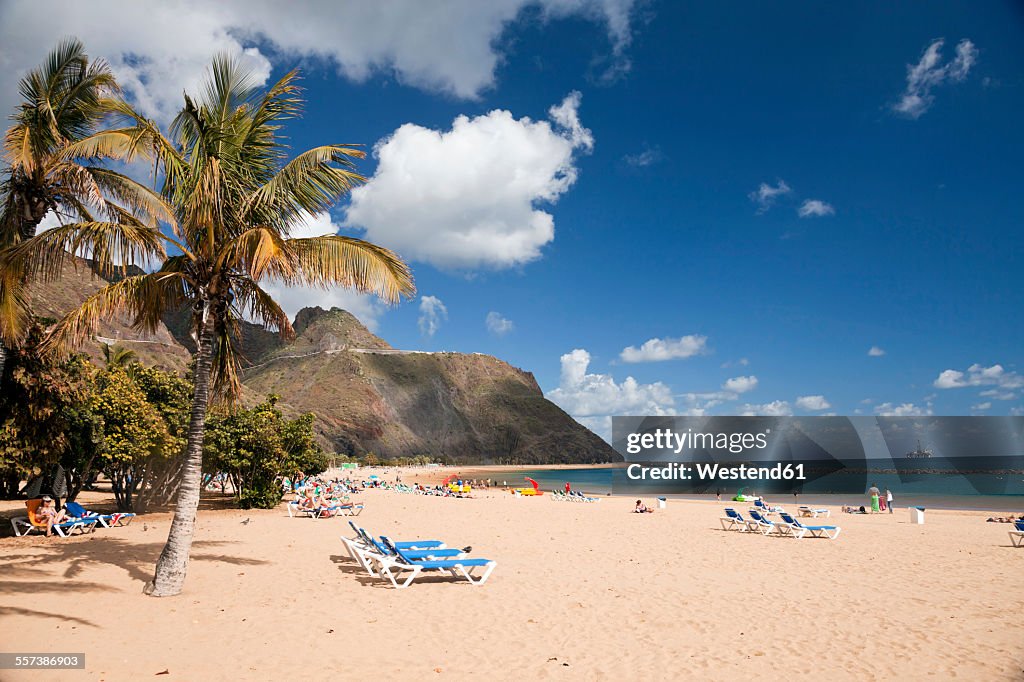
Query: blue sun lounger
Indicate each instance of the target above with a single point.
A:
(798, 530)
(733, 520)
(760, 524)
(393, 568)
(1017, 535)
(364, 549)
(106, 520)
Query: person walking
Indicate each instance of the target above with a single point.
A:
(888, 499)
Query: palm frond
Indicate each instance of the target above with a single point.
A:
(142, 297)
(111, 247)
(337, 260)
(310, 183)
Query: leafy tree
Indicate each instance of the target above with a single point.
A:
(235, 201)
(134, 432)
(44, 415)
(255, 447)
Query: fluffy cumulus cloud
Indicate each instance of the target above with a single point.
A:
(432, 313)
(903, 410)
(593, 398)
(815, 208)
(930, 72)
(978, 375)
(766, 195)
(876, 352)
(776, 408)
(159, 49)
(740, 384)
(467, 198)
(497, 324)
(656, 350)
(812, 402)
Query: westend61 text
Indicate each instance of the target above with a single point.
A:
(715, 472)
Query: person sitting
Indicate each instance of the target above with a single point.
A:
(642, 508)
(48, 515)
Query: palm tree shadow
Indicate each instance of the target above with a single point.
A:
(136, 559)
(63, 617)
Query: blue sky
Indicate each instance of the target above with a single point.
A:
(626, 210)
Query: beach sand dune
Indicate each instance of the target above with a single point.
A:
(582, 591)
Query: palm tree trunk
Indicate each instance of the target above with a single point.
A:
(172, 565)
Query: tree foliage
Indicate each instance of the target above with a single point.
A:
(256, 446)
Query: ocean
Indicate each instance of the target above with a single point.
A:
(935, 490)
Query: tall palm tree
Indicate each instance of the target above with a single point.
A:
(63, 101)
(236, 199)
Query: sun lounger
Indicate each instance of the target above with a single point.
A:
(1017, 535)
(798, 530)
(814, 513)
(765, 509)
(23, 525)
(106, 520)
(761, 524)
(733, 520)
(400, 570)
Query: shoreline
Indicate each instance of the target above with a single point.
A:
(434, 475)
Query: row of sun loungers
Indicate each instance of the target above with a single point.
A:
(786, 526)
(79, 521)
(400, 563)
(295, 508)
(559, 496)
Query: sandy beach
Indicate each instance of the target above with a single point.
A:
(581, 591)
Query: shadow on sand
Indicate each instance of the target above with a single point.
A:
(136, 559)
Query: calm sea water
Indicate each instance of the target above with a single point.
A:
(939, 491)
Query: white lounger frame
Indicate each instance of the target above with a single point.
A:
(401, 574)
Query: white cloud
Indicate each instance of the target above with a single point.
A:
(930, 72)
(903, 410)
(740, 384)
(997, 394)
(812, 402)
(876, 352)
(981, 407)
(776, 408)
(648, 157)
(467, 197)
(498, 325)
(977, 375)
(742, 362)
(815, 208)
(765, 195)
(656, 350)
(1017, 411)
(585, 395)
(367, 309)
(432, 313)
(159, 49)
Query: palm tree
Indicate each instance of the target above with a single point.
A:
(118, 356)
(236, 199)
(64, 99)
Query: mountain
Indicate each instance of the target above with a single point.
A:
(368, 396)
